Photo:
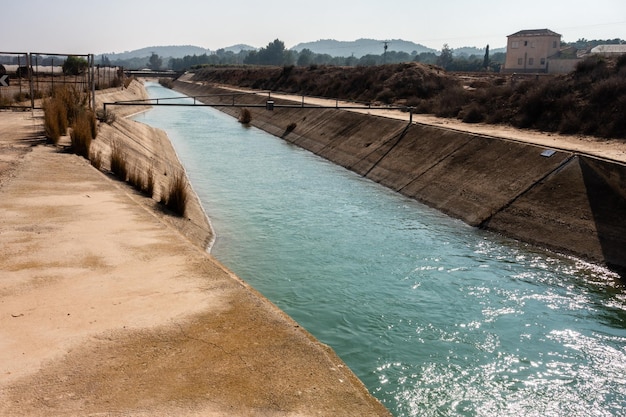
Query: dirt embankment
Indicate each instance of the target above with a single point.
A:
(562, 200)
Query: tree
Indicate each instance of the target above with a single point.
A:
(445, 58)
(273, 53)
(486, 58)
(74, 65)
(426, 58)
(305, 58)
(155, 62)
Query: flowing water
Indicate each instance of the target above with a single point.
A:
(435, 317)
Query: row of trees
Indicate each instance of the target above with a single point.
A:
(276, 54)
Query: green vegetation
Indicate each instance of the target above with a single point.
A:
(155, 62)
(75, 65)
(275, 54)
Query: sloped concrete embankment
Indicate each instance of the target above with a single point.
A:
(148, 152)
(566, 202)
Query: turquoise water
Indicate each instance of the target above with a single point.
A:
(435, 317)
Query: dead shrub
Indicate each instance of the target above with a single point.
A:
(473, 113)
(118, 164)
(82, 133)
(245, 117)
(148, 187)
(96, 160)
(106, 116)
(450, 102)
(55, 119)
(73, 99)
(175, 198)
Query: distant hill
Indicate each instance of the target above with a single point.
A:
(173, 51)
(360, 47)
(240, 47)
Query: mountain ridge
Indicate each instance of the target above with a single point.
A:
(332, 47)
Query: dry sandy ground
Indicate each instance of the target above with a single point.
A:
(107, 310)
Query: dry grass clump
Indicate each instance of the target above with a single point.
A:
(106, 116)
(148, 185)
(96, 160)
(175, 197)
(73, 99)
(84, 130)
(245, 117)
(66, 107)
(5, 101)
(143, 182)
(55, 119)
(127, 81)
(119, 166)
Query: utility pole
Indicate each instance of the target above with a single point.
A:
(386, 45)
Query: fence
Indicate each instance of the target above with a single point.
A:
(25, 78)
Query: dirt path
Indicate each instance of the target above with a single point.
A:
(107, 310)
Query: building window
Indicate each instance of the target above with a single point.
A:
(520, 61)
(531, 61)
(543, 61)
(554, 44)
(533, 44)
(525, 43)
(515, 44)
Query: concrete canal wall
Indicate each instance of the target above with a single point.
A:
(567, 202)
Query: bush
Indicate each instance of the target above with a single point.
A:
(473, 113)
(449, 102)
(75, 65)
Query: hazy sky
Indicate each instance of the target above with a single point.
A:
(68, 26)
